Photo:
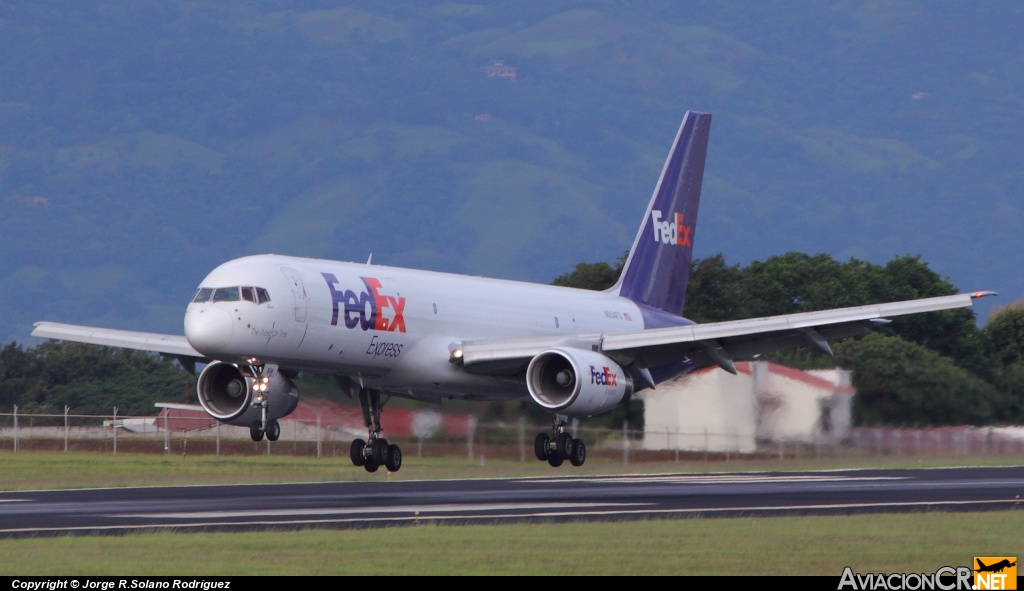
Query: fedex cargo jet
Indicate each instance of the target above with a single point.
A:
(382, 331)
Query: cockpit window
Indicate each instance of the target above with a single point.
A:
(226, 294)
(256, 295)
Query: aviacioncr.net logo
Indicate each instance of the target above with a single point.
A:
(995, 572)
(946, 578)
(367, 309)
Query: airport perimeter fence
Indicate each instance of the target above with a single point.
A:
(480, 441)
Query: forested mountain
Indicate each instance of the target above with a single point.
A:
(144, 142)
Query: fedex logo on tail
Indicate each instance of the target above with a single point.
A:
(367, 309)
(671, 230)
(603, 376)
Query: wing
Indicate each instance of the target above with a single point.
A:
(704, 345)
(168, 345)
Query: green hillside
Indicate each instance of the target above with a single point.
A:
(141, 144)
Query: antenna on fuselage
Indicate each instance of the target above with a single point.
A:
(369, 259)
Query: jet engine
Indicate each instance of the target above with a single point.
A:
(577, 382)
(227, 393)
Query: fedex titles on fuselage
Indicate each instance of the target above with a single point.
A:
(366, 309)
(669, 230)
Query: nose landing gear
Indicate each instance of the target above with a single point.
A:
(260, 385)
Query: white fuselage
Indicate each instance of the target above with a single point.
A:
(394, 329)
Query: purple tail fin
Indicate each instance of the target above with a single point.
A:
(658, 266)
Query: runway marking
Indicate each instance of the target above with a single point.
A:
(410, 509)
(417, 519)
(727, 479)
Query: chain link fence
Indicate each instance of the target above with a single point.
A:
(509, 440)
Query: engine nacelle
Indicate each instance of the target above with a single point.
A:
(577, 382)
(227, 394)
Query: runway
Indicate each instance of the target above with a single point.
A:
(557, 498)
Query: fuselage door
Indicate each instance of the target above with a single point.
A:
(298, 291)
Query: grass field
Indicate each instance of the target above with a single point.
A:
(774, 546)
(55, 470)
(919, 542)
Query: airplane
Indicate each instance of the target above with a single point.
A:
(995, 567)
(384, 331)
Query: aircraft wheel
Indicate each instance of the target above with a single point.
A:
(563, 445)
(579, 453)
(256, 432)
(273, 430)
(394, 463)
(356, 452)
(370, 466)
(379, 451)
(541, 446)
(555, 460)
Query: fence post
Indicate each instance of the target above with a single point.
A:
(167, 433)
(677, 444)
(470, 436)
(625, 443)
(319, 441)
(15, 428)
(66, 430)
(114, 425)
(522, 439)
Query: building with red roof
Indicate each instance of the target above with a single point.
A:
(713, 410)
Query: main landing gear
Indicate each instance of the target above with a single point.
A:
(375, 451)
(559, 446)
(260, 385)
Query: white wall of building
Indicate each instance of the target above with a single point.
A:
(714, 410)
(707, 410)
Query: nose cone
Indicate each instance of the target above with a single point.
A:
(208, 329)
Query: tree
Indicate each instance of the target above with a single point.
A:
(1004, 331)
(593, 276)
(953, 333)
(902, 383)
(715, 290)
(1004, 335)
(20, 381)
(88, 378)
